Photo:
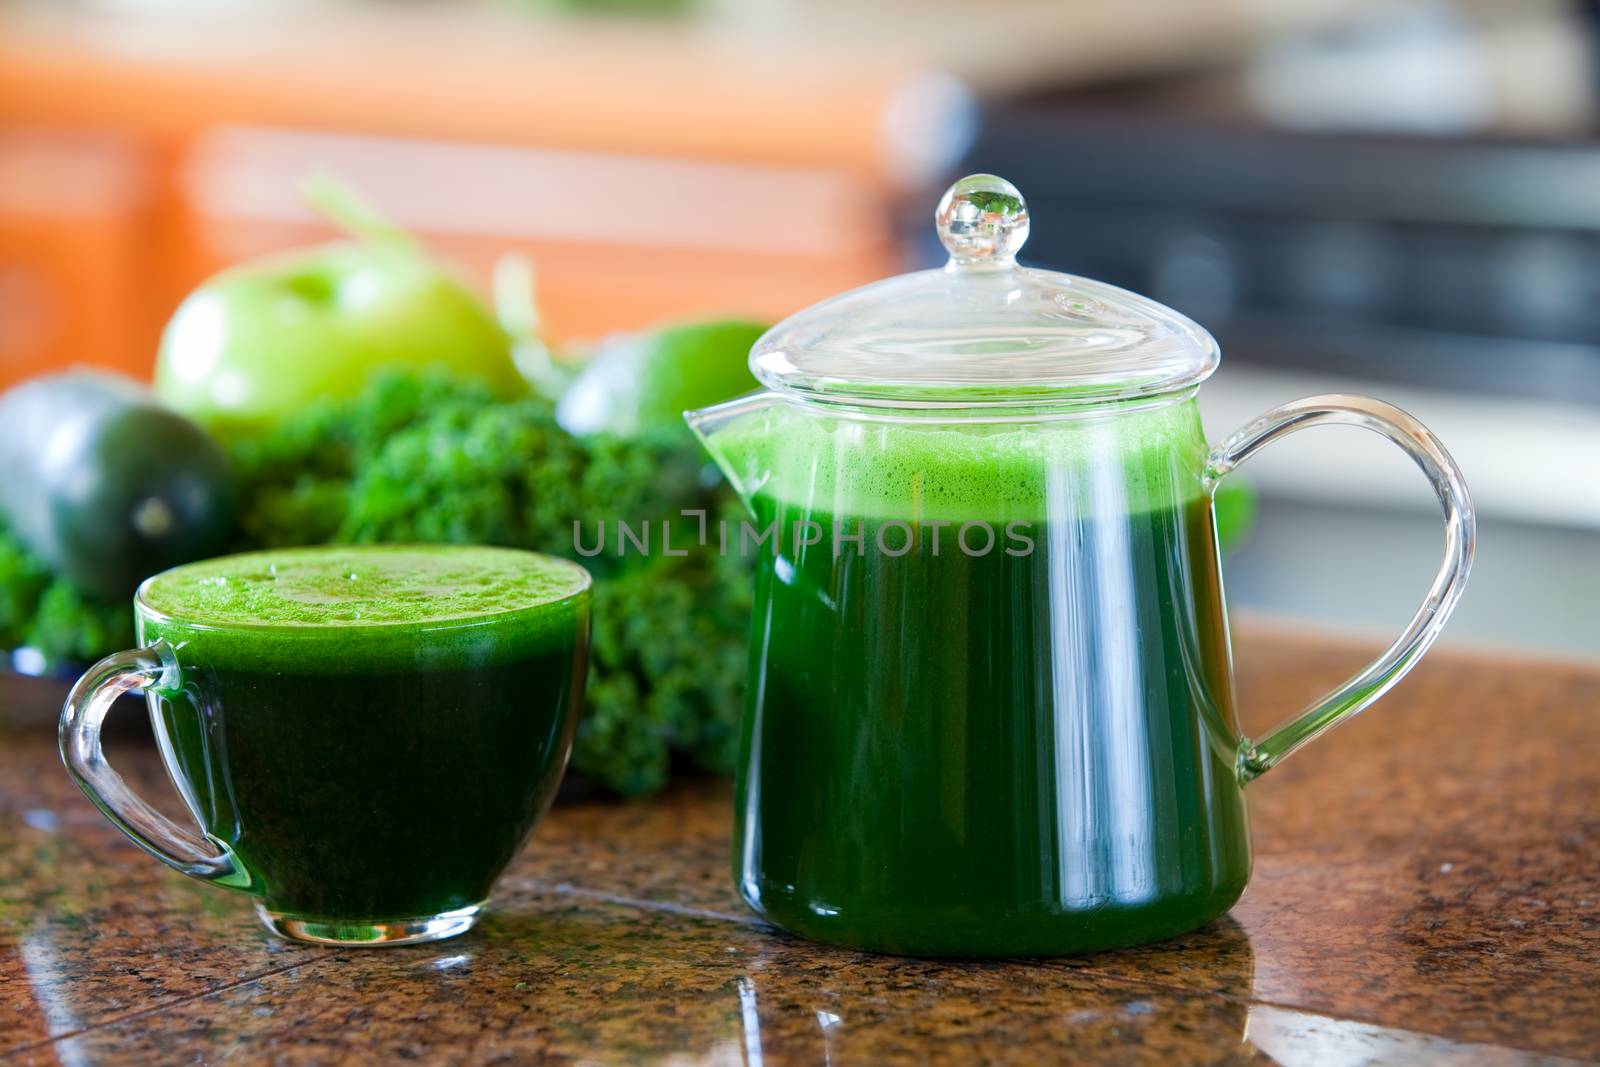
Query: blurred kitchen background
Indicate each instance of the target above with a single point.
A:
(1380, 196)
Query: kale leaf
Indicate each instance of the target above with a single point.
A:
(431, 459)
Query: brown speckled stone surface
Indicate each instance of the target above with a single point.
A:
(1427, 889)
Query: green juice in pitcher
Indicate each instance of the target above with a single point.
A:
(1000, 722)
(991, 698)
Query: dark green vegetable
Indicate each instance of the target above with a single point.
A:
(106, 485)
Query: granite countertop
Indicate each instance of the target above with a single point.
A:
(1427, 887)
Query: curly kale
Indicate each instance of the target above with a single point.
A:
(431, 459)
(49, 614)
(667, 675)
(23, 578)
(428, 459)
(71, 626)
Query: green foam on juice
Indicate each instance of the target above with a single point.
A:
(1125, 460)
(342, 606)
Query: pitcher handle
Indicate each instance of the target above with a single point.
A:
(83, 714)
(1460, 535)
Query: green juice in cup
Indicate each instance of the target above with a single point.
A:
(365, 735)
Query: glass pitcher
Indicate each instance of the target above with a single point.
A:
(991, 707)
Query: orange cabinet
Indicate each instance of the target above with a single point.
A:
(650, 171)
(76, 229)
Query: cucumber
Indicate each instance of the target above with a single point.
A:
(107, 485)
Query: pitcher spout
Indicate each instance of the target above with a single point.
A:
(734, 435)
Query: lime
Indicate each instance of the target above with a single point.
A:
(642, 383)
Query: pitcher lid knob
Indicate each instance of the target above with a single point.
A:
(982, 222)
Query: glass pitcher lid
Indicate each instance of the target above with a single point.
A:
(983, 330)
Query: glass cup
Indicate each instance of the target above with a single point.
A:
(364, 735)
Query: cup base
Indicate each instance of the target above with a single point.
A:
(372, 934)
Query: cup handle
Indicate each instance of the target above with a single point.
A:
(82, 716)
(1460, 534)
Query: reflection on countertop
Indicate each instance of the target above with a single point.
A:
(1426, 887)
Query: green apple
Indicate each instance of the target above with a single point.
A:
(262, 339)
(642, 383)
